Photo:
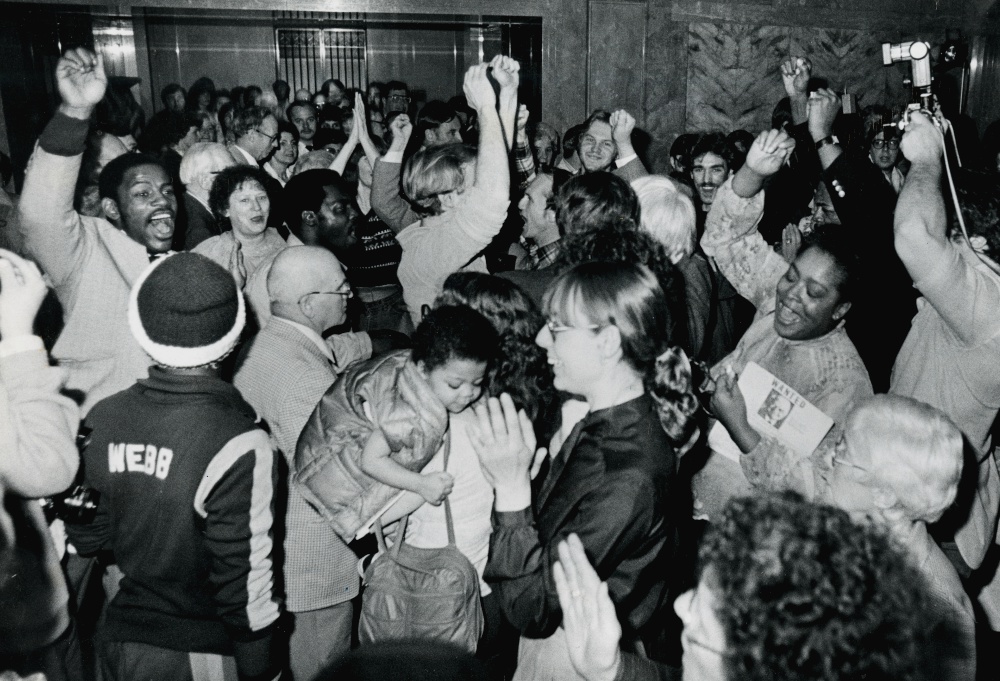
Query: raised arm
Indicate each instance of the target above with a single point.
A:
(387, 201)
(361, 125)
(492, 171)
(627, 163)
(39, 443)
(920, 224)
(731, 237)
(524, 162)
(51, 230)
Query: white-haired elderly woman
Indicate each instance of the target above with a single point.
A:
(669, 216)
(898, 462)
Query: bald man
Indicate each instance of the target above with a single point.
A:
(200, 165)
(284, 373)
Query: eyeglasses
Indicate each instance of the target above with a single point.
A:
(837, 458)
(892, 143)
(555, 327)
(347, 293)
(399, 98)
(270, 138)
(837, 461)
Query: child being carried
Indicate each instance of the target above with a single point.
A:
(383, 420)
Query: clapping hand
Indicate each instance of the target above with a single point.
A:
(769, 151)
(22, 290)
(589, 619)
(81, 80)
(795, 76)
(504, 440)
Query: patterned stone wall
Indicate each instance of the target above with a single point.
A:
(734, 79)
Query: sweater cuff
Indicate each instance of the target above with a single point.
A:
(64, 135)
(523, 518)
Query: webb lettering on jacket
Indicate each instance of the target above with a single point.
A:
(132, 458)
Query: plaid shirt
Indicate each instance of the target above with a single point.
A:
(539, 257)
(524, 161)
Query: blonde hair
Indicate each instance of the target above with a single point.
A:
(912, 449)
(667, 215)
(436, 171)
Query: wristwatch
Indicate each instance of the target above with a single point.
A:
(829, 139)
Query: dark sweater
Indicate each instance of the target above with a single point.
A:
(186, 482)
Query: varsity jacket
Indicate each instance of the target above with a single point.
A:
(187, 506)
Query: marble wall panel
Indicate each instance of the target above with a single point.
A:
(732, 75)
(617, 45)
(665, 107)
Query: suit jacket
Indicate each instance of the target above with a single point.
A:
(92, 266)
(613, 484)
(199, 223)
(283, 376)
(880, 318)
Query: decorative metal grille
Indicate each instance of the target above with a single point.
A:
(309, 56)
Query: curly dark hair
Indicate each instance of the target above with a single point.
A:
(453, 332)
(803, 592)
(228, 181)
(521, 369)
(624, 242)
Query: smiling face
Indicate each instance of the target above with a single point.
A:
(709, 172)
(248, 210)
(337, 220)
(574, 353)
(597, 147)
(807, 298)
(147, 207)
(457, 383)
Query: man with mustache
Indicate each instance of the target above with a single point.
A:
(93, 262)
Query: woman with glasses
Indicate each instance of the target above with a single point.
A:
(608, 474)
(898, 462)
(787, 590)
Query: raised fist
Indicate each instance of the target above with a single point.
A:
(795, 74)
(81, 79)
(769, 151)
(922, 142)
(478, 90)
(622, 125)
(824, 107)
(506, 71)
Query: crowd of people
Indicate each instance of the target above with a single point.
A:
(729, 423)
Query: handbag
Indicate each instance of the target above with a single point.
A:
(418, 593)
